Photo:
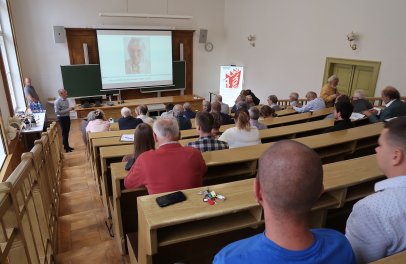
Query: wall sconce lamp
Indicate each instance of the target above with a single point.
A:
(352, 38)
(251, 39)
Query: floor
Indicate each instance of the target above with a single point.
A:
(82, 233)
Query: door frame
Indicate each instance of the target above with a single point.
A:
(330, 61)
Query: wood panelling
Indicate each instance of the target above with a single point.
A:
(77, 36)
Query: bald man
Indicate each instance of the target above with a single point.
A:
(393, 106)
(287, 187)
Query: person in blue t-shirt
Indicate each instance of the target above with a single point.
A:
(288, 184)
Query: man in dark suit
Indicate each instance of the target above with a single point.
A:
(393, 106)
(225, 118)
(127, 121)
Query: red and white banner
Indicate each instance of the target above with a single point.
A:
(231, 83)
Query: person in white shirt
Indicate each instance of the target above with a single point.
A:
(142, 113)
(224, 107)
(243, 134)
(376, 227)
(294, 99)
(313, 103)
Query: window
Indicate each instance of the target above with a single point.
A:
(3, 149)
(10, 62)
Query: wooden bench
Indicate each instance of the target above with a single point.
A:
(330, 146)
(193, 220)
(394, 259)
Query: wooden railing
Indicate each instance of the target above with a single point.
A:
(29, 201)
(375, 101)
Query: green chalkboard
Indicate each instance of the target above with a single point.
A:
(84, 80)
(179, 74)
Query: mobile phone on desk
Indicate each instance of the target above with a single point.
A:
(171, 198)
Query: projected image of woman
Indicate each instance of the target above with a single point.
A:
(137, 57)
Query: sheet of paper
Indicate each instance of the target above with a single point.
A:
(127, 138)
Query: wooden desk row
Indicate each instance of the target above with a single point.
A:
(112, 149)
(159, 228)
(93, 154)
(235, 164)
(115, 110)
(394, 259)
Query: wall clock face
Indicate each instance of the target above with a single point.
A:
(208, 46)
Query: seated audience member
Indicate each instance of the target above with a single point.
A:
(294, 99)
(393, 106)
(249, 101)
(273, 102)
(99, 124)
(342, 114)
(225, 118)
(206, 142)
(224, 107)
(360, 103)
(287, 187)
(376, 227)
(243, 134)
(142, 113)
(143, 141)
(329, 92)
(267, 112)
(187, 111)
(169, 168)
(169, 111)
(206, 106)
(241, 99)
(254, 116)
(313, 103)
(255, 99)
(127, 121)
(184, 122)
(215, 131)
(339, 98)
(84, 123)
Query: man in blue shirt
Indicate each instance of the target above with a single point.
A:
(313, 103)
(287, 187)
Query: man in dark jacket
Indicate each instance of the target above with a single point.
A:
(127, 121)
(393, 106)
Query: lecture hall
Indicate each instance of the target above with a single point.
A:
(193, 132)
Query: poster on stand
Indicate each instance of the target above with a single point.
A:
(231, 83)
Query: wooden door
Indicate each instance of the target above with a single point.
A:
(344, 72)
(353, 74)
(363, 80)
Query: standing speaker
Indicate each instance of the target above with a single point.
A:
(203, 35)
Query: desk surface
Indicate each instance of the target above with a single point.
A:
(328, 139)
(147, 101)
(239, 195)
(39, 125)
(394, 259)
(242, 154)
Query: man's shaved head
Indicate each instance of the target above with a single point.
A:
(290, 175)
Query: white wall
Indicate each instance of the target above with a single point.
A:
(294, 37)
(41, 57)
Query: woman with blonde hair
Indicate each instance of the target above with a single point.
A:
(99, 124)
(243, 134)
(143, 141)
